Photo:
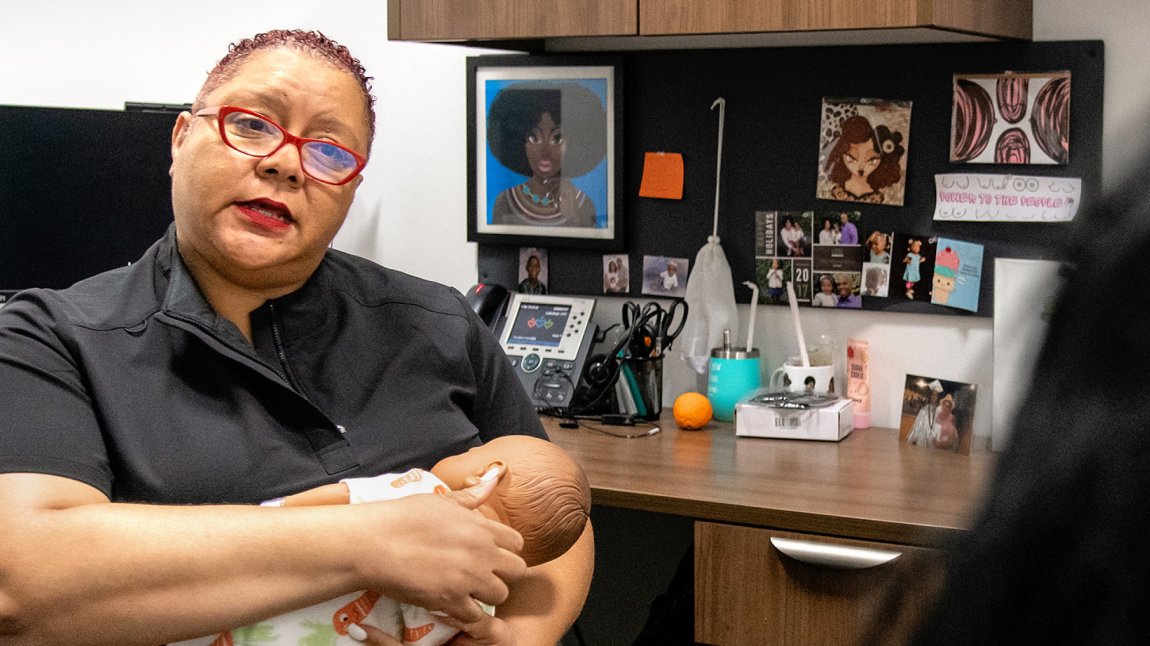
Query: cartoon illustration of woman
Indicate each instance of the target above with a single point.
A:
(912, 260)
(529, 134)
(863, 161)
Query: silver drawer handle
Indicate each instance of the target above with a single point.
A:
(833, 556)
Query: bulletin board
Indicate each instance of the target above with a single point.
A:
(773, 132)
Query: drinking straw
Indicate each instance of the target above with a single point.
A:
(751, 318)
(798, 324)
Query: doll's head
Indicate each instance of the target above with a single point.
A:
(543, 493)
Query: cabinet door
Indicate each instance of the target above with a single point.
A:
(995, 19)
(509, 19)
(748, 591)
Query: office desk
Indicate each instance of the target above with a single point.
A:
(869, 490)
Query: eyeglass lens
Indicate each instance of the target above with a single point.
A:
(259, 137)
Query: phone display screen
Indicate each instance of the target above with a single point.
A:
(539, 324)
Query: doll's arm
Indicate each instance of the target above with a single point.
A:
(331, 494)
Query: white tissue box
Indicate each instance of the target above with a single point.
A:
(828, 423)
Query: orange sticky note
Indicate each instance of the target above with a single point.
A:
(662, 176)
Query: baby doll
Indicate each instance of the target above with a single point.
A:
(543, 494)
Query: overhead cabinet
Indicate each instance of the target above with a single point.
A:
(466, 20)
(484, 20)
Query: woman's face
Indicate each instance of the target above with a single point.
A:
(260, 222)
(861, 159)
(546, 148)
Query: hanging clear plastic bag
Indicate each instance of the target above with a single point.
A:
(711, 298)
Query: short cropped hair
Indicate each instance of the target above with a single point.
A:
(312, 42)
(548, 502)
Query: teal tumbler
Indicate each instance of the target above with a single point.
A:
(733, 374)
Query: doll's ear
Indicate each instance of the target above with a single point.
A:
(495, 469)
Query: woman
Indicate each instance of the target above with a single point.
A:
(528, 133)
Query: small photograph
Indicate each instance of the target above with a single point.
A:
(838, 228)
(878, 244)
(1011, 118)
(794, 234)
(862, 151)
(937, 413)
(847, 290)
(532, 271)
(825, 294)
(616, 274)
(875, 279)
(664, 276)
(957, 274)
(772, 275)
(912, 266)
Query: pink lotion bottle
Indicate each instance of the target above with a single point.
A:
(858, 380)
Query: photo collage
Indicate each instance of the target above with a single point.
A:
(833, 260)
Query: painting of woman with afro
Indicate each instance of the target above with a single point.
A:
(546, 133)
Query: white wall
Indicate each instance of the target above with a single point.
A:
(410, 210)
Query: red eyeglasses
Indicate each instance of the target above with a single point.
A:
(258, 136)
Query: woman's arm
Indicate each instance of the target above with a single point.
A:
(76, 568)
(548, 599)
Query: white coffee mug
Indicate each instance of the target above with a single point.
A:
(797, 379)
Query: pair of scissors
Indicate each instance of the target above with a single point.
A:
(666, 329)
(641, 321)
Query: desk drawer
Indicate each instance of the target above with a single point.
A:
(801, 589)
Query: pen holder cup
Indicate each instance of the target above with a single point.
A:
(642, 382)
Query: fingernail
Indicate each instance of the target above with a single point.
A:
(491, 474)
(356, 632)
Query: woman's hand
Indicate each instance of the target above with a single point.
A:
(488, 631)
(436, 552)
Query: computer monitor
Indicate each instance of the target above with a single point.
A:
(81, 191)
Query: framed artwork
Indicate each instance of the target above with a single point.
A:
(1011, 118)
(863, 145)
(545, 151)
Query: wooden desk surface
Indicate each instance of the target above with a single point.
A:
(867, 486)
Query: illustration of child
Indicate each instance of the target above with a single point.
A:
(542, 493)
(912, 260)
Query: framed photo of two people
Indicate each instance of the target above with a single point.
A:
(544, 151)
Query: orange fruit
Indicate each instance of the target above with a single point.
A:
(692, 411)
